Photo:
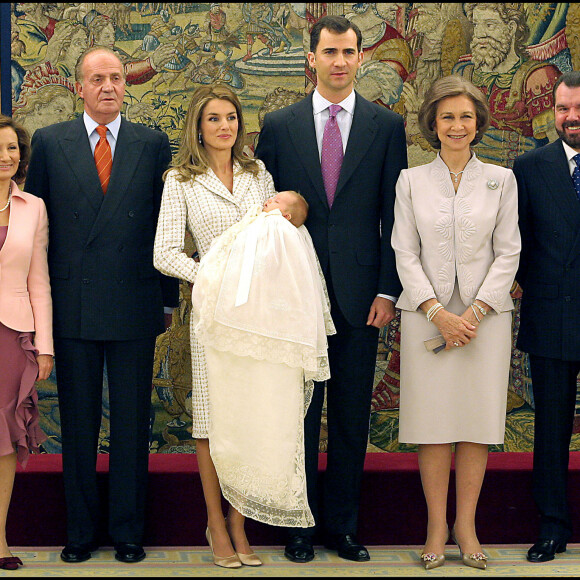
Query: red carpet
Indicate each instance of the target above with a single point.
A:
(392, 505)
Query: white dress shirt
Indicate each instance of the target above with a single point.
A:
(569, 155)
(112, 133)
(343, 118)
(344, 121)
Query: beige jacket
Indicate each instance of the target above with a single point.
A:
(472, 236)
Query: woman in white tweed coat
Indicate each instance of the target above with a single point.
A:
(210, 187)
(457, 246)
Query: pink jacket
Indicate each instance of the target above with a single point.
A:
(25, 301)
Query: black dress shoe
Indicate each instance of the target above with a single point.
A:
(348, 548)
(129, 553)
(544, 550)
(299, 549)
(75, 552)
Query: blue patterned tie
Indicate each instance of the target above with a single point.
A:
(576, 174)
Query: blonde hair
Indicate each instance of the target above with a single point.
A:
(298, 208)
(192, 158)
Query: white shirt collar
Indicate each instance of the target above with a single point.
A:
(113, 126)
(569, 151)
(319, 103)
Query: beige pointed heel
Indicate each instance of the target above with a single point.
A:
(249, 559)
(474, 560)
(431, 560)
(223, 561)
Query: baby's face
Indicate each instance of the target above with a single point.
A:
(282, 201)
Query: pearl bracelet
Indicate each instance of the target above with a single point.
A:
(434, 310)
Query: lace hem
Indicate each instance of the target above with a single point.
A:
(299, 517)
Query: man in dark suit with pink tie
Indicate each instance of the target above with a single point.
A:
(344, 155)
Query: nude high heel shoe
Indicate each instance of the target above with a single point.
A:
(431, 560)
(475, 560)
(223, 561)
(249, 559)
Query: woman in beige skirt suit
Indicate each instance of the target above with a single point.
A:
(457, 246)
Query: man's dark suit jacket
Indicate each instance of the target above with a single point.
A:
(549, 271)
(106, 295)
(347, 239)
(100, 252)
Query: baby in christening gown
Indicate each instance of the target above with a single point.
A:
(261, 311)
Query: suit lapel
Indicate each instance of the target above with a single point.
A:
(242, 182)
(14, 221)
(553, 163)
(362, 134)
(210, 181)
(563, 192)
(303, 137)
(77, 150)
(126, 161)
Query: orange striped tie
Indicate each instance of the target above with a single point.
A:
(103, 158)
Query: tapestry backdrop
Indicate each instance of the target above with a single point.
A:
(513, 51)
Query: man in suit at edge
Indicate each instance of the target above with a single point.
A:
(108, 298)
(549, 274)
(351, 234)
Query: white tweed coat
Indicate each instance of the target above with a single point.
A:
(207, 209)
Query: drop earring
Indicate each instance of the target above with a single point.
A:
(199, 139)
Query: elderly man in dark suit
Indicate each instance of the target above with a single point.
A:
(549, 274)
(344, 154)
(101, 179)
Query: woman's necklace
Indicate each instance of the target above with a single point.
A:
(456, 175)
(9, 198)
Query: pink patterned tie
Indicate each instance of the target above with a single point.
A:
(332, 154)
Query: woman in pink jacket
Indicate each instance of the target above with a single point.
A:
(25, 317)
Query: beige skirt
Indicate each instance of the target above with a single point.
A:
(458, 394)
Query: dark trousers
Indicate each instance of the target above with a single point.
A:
(554, 387)
(79, 370)
(352, 356)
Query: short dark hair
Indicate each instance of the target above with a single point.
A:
(570, 79)
(336, 24)
(23, 145)
(443, 88)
